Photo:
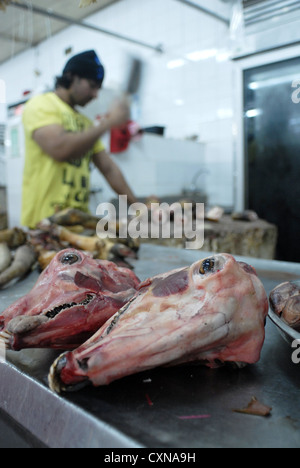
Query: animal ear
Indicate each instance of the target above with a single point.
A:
(87, 282)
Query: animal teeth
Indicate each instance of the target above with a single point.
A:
(5, 333)
(52, 313)
(5, 338)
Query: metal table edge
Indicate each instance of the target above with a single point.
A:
(60, 418)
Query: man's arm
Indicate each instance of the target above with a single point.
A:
(64, 146)
(113, 175)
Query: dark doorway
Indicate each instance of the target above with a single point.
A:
(272, 150)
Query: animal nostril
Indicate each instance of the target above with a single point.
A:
(83, 364)
(1, 324)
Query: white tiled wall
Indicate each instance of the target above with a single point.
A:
(2, 121)
(157, 166)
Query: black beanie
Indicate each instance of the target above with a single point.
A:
(86, 65)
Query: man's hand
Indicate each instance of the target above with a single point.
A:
(119, 113)
(113, 175)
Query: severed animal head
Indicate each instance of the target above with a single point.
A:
(212, 312)
(71, 299)
(285, 302)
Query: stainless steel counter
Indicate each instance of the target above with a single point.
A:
(185, 407)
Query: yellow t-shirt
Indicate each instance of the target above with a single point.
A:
(49, 185)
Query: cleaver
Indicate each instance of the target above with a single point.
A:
(134, 78)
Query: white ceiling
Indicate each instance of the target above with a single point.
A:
(26, 23)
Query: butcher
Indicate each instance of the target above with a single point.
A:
(61, 143)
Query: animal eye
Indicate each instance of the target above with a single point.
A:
(69, 258)
(207, 265)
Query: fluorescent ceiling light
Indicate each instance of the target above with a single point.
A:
(223, 56)
(201, 54)
(225, 113)
(274, 81)
(253, 113)
(175, 63)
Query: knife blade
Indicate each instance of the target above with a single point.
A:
(134, 79)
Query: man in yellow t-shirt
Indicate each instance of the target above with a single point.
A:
(61, 143)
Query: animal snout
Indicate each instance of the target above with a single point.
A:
(24, 324)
